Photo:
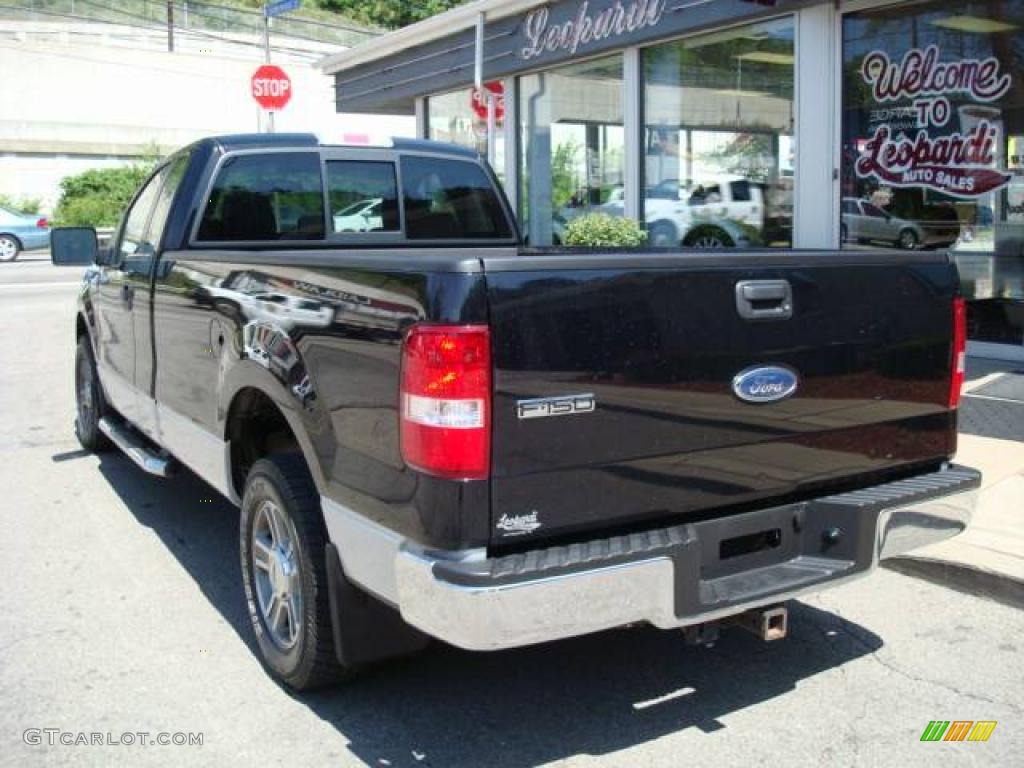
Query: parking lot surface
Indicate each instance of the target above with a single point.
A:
(122, 612)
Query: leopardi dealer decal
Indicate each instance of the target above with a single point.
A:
(517, 525)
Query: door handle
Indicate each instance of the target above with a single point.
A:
(764, 299)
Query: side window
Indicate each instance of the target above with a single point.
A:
(850, 206)
(269, 196)
(450, 199)
(172, 176)
(134, 242)
(363, 196)
(873, 210)
(703, 195)
(740, 191)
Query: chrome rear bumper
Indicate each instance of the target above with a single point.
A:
(670, 577)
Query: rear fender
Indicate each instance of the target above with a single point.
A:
(267, 359)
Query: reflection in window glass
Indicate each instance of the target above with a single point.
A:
(273, 196)
(451, 118)
(719, 138)
(573, 146)
(363, 196)
(134, 241)
(450, 200)
(933, 145)
(172, 177)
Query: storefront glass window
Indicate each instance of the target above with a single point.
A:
(718, 140)
(933, 144)
(451, 117)
(573, 149)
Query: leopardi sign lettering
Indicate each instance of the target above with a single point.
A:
(591, 24)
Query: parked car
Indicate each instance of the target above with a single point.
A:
(562, 443)
(21, 232)
(865, 222)
(361, 216)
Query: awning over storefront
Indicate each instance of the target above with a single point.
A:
(387, 74)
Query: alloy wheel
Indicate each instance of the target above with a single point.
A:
(8, 248)
(277, 576)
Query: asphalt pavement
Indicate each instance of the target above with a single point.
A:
(121, 612)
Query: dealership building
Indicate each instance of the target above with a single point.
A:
(737, 123)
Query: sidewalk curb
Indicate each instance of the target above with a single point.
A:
(963, 578)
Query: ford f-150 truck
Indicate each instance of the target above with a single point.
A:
(432, 431)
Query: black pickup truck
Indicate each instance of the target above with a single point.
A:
(433, 431)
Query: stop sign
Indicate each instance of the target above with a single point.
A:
(479, 102)
(271, 87)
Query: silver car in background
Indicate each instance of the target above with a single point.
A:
(865, 222)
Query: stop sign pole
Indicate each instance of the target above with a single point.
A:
(274, 9)
(266, 60)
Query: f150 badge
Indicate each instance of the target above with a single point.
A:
(517, 525)
(764, 384)
(566, 405)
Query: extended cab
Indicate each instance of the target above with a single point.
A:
(432, 431)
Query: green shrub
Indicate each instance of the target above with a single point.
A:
(599, 230)
(97, 197)
(29, 205)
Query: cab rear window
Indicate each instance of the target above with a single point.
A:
(450, 200)
(266, 196)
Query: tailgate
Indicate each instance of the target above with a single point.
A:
(616, 390)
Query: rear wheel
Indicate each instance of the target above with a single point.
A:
(709, 237)
(907, 239)
(89, 404)
(9, 248)
(282, 540)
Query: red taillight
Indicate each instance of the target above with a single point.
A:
(959, 361)
(42, 223)
(446, 400)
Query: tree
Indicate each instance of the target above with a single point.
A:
(97, 197)
(564, 173)
(29, 205)
(388, 13)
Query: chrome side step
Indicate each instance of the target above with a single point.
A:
(135, 448)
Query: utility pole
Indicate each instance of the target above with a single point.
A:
(170, 26)
(266, 60)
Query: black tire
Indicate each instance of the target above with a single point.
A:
(284, 481)
(10, 247)
(907, 239)
(708, 236)
(90, 406)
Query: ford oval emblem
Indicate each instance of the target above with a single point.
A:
(764, 384)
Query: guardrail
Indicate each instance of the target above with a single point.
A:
(187, 16)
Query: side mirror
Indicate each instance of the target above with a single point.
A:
(73, 246)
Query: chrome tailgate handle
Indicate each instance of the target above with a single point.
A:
(764, 299)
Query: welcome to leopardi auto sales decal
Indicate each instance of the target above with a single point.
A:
(959, 163)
